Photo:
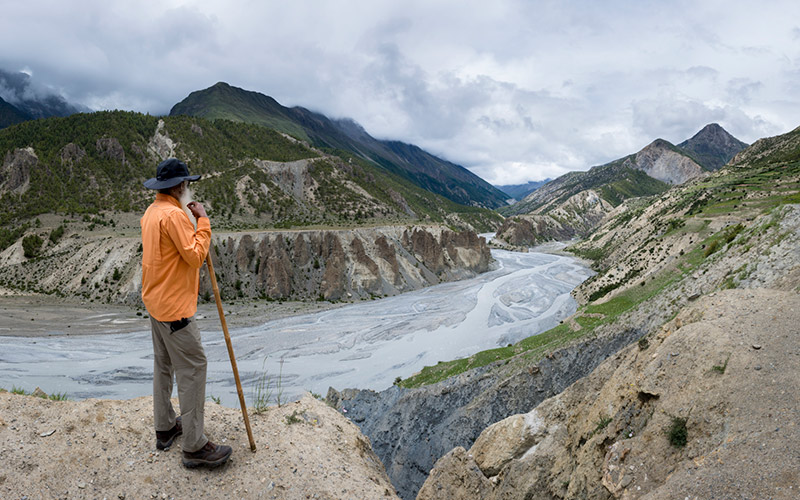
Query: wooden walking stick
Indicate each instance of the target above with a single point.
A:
(230, 350)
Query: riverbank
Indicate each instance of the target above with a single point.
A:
(36, 315)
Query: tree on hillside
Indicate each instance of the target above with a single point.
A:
(31, 245)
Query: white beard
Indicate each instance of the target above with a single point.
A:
(186, 197)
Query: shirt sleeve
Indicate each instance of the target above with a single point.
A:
(191, 245)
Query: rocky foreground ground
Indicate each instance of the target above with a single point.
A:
(106, 449)
(705, 408)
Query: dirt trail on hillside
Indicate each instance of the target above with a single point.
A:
(106, 449)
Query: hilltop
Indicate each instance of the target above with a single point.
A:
(454, 182)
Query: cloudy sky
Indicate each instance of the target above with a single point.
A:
(514, 90)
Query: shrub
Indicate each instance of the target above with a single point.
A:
(31, 245)
(56, 234)
(711, 248)
(677, 432)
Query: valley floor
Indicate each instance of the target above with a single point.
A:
(42, 315)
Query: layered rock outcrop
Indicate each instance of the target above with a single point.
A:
(297, 265)
(578, 216)
(411, 428)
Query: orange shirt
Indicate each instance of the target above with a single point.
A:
(173, 253)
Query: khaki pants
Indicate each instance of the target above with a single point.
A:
(179, 353)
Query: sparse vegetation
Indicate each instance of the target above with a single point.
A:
(721, 368)
(56, 396)
(56, 234)
(601, 424)
(677, 434)
(295, 418)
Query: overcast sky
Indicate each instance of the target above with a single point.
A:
(513, 90)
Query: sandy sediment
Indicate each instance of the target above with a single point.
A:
(41, 315)
(106, 449)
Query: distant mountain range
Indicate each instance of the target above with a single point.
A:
(21, 101)
(222, 101)
(520, 191)
(650, 171)
(575, 203)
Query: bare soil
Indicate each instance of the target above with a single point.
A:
(106, 449)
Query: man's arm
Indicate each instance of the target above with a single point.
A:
(192, 245)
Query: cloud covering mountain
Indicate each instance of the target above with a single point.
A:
(513, 90)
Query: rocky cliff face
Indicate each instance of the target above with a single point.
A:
(578, 216)
(663, 161)
(411, 428)
(698, 409)
(322, 264)
(346, 264)
(15, 172)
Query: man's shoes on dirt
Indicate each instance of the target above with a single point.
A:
(164, 439)
(210, 455)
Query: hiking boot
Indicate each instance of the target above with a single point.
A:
(164, 439)
(210, 455)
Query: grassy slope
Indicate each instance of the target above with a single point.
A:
(102, 182)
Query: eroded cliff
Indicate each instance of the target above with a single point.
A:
(336, 264)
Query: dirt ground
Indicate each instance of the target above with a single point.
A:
(106, 449)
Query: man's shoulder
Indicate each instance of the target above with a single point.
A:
(158, 211)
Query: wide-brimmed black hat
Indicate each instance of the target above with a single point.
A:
(169, 173)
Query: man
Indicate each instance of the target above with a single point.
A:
(173, 252)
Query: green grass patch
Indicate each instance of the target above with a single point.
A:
(721, 368)
(56, 396)
(601, 424)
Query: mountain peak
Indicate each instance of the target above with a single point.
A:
(452, 181)
(660, 144)
(712, 146)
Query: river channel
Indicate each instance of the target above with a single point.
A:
(365, 345)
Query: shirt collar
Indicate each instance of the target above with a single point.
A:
(169, 199)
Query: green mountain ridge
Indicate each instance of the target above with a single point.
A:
(222, 101)
(254, 177)
(11, 115)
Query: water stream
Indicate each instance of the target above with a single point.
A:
(364, 345)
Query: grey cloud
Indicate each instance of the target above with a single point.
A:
(702, 72)
(742, 90)
(514, 90)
